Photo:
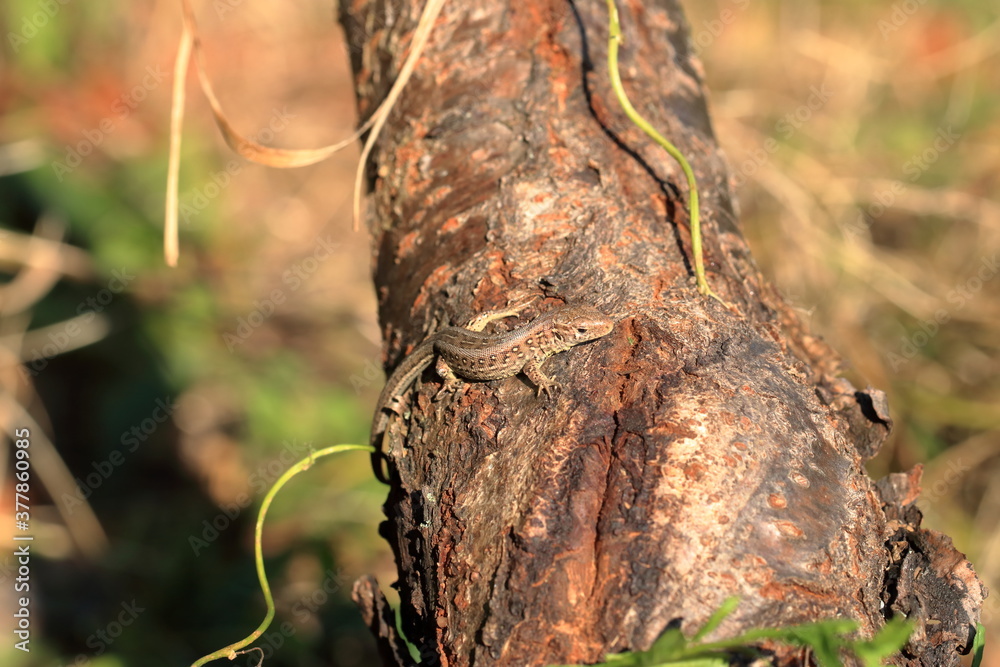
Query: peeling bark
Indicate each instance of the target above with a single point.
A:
(695, 452)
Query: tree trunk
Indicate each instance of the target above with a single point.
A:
(696, 452)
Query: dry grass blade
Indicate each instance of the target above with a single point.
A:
(34, 281)
(251, 150)
(29, 250)
(283, 158)
(945, 202)
(90, 327)
(861, 260)
(21, 156)
(171, 245)
(41, 259)
(973, 51)
(427, 18)
(81, 521)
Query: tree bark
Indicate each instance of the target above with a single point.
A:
(696, 452)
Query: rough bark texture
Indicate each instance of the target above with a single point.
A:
(696, 452)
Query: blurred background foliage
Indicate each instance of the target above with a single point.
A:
(864, 143)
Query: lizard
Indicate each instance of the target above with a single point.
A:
(474, 355)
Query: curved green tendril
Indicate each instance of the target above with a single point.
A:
(231, 651)
(614, 41)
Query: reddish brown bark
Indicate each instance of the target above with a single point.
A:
(696, 452)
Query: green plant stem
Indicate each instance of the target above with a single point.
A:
(614, 41)
(978, 645)
(231, 650)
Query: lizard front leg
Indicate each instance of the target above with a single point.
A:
(544, 384)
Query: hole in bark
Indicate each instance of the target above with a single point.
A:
(868, 408)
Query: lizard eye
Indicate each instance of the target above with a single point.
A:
(581, 330)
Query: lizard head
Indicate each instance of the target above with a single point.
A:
(575, 324)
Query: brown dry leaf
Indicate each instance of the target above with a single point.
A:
(274, 157)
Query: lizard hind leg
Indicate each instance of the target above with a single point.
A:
(479, 322)
(451, 381)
